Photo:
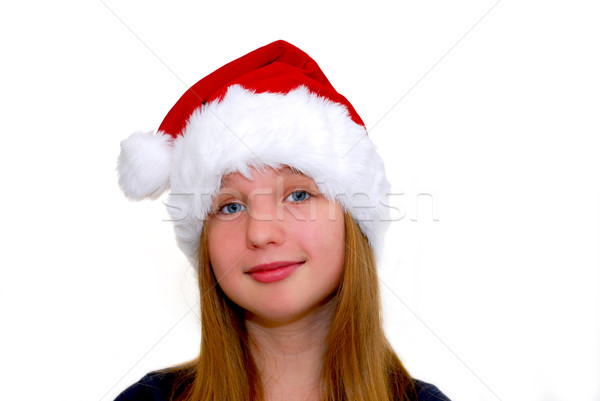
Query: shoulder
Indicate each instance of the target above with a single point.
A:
(155, 386)
(428, 392)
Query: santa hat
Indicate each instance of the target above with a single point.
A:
(272, 107)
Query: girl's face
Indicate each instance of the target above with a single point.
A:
(276, 244)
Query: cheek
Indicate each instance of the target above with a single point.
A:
(325, 240)
(221, 250)
(338, 243)
(223, 259)
(336, 251)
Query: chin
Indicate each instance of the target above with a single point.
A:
(280, 313)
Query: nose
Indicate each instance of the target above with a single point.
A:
(264, 226)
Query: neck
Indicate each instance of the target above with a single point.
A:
(289, 355)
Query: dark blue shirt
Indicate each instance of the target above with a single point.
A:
(157, 386)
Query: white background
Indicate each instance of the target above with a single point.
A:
(495, 118)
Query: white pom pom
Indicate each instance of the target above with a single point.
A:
(144, 165)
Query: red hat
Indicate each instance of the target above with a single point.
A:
(271, 107)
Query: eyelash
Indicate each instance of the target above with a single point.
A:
(302, 191)
(220, 209)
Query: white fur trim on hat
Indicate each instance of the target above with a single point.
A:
(144, 165)
(299, 129)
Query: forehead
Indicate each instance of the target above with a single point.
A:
(235, 178)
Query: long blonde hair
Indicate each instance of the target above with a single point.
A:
(358, 365)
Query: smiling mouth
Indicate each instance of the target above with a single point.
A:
(272, 272)
(272, 266)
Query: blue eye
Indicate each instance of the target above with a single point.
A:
(232, 208)
(298, 196)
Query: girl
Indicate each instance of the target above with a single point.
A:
(278, 200)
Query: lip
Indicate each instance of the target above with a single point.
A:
(272, 272)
